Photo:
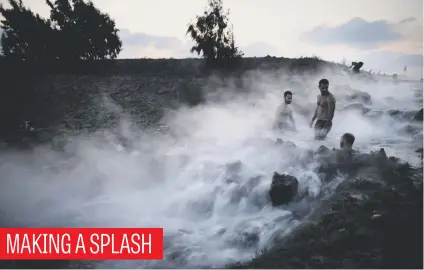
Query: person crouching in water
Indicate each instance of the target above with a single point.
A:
(324, 113)
(346, 141)
(285, 114)
(346, 153)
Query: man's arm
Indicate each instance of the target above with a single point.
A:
(331, 107)
(315, 113)
(314, 117)
(292, 119)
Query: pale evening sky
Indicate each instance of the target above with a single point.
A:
(385, 34)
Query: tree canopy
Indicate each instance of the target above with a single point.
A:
(212, 35)
(75, 30)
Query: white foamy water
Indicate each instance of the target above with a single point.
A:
(179, 180)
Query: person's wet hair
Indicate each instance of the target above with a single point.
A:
(323, 81)
(287, 93)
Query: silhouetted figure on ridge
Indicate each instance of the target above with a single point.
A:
(356, 66)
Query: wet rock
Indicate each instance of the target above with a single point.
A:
(394, 159)
(290, 144)
(402, 114)
(360, 96)
(410, 129)
(394, 112)
(373, 114)
(356, 106)
(283, 189)
(418, 137)
(279, 141)
(322, 149)
(382, 154)
(419, 115)
(244, 238)
(234, 167)
(419, 151)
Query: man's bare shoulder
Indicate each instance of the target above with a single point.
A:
(332, 98)
(281, 107)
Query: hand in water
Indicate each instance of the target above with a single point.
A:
(311, 123)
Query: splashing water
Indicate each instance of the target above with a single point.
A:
(214, 211)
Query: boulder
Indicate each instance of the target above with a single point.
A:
(360, 96)
(322, 149)
(283, 189)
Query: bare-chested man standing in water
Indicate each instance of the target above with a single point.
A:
(285, 113)
(324, 113)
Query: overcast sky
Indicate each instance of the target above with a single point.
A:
(385, 34)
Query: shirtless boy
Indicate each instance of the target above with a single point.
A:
(285, 113)
(324, 113)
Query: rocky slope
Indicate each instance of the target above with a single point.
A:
(374, 220)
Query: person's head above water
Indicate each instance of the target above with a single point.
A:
(347, 140)
(323, 86)
(288, 96)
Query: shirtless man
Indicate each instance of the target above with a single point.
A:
(285, 113)
(324, 113)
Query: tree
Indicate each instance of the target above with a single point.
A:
(25, 36)
(84, 32)
(211, 34)
(75, 30)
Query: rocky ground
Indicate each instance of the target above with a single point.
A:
(374, 219)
